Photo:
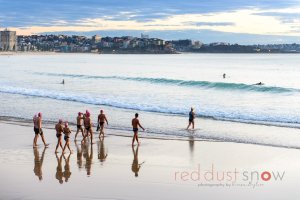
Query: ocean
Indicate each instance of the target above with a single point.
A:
(162, 89)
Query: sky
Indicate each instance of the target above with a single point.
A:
(233, 21)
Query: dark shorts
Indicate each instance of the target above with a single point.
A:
(101, 123)
(191, 120)
(58, 135)
(88, 128)
(135, 129)
(38, 131)
(78, 126)
(66, 138)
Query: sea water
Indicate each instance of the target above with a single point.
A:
(161, 88)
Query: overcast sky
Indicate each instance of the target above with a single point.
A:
(234, 21)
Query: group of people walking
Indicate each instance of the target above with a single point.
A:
(84, 125)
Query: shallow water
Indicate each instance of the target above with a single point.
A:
(161, 88)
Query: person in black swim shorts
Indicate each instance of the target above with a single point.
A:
(101, 120)
(59, 130)
(37, 123)
(135, 124)
(67, 132)
(79, 125)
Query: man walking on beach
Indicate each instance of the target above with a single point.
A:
(101, 120)
(79, 124)
(59, 130)
(37, 122)
(135, 124)
(191, 119)
(88, 127)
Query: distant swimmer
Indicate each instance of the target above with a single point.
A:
(191, 119)
(79, 120)
(59, 130)
(63, 81)
(260, 83)
(88, 126)
(37, 122)
(101, 120)
(224, 75)
(67, 132)
(135, 127)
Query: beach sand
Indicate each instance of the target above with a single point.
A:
(29, 173)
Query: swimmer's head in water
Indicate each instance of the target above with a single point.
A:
(40, 114)
(60, 121)
(136, 114)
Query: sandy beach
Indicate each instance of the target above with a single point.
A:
(170, 169)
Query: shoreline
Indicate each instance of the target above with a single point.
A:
(163, 166)
(49, 125)
(11, 53)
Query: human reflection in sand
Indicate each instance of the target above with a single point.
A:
(102, 153)
(67, 173)
(88, 155)
(79, 154)
(59, 172)
(38, 163)
(135, 164)
(192, 147)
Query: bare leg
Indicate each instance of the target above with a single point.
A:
(43, 139)
(137, 138)
(134, 137)
(35, 140)
(91, 136)
(76, 133)
(193, 123)
(188, 125)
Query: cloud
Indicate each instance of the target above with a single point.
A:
(247, 21)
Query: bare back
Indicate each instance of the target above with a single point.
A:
(101, 117)
(87, 122)
(58, 128)
(79, 120)
(135, 123)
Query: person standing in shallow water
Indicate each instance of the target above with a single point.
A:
(191, 119)
(135, 127)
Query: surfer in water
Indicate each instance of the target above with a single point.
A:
(224, 75)
(191, 119)
(63, 81)
(260, 83)
(135, 127)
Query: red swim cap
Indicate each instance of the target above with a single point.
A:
(88, 114)
(79, 113)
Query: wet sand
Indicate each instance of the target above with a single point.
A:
(158, 169)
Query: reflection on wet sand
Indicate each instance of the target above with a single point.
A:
(102, 154)
(38, 162)
(67, 173)
(135, 164)
(79, 154)
(88, 155)
(59, 172)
